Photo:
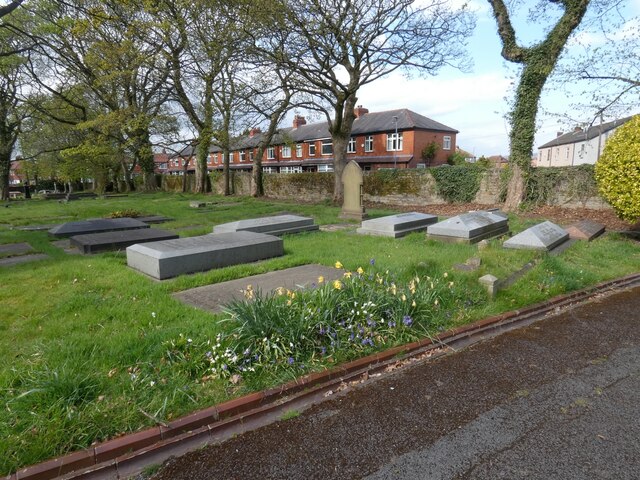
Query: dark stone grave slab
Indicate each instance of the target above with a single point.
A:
(469, 227)
(110, 241)
(585, 230)
(97, 225)
(9, 261)
(213, 297)
(154, 219)
(8, 249)
(37, 228)
(544, 236)
(275, 225)
(397, 225)
(170, 258)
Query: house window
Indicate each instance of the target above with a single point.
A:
(299, 150)
(325, 168)
(351, 146)
(446, 143)
(567, 153)
(394, 142)
(368, 143)
(271, 153)
(327, 147)
(312, 149)
(286, 151)
(242, 155)
(251, 155)
(269, 169)
(297, 169)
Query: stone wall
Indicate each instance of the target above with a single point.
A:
(389, 187)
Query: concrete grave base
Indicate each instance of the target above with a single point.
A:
(585, 230)
(109, 241)
(8, 261)
(15, 248)
(544, 236)
(213, 297)
(97, 225)
(397, 225)
(469, 227)
(170, 258)
(275, 225)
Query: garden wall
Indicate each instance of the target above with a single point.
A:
(570, 187)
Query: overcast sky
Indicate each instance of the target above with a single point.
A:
(475, 103)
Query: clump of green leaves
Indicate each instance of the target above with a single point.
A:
(458, 183)
(618, 171)
(129, 213)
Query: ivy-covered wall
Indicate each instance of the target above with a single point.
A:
(572, 187)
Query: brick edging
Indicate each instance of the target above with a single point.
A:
(107, 456)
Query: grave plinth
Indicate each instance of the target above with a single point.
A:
(469, 227)
(110, 241)
(275, 225)
(171, 258)
(97, 225)
(585, 230)
(397, 225)
(544, 236)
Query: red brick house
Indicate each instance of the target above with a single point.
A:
(391, 139)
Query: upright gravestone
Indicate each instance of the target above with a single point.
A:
(352, 182)
(544, 236)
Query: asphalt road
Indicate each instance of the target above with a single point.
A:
(559, 399)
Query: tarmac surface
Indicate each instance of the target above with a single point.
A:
(559, 399)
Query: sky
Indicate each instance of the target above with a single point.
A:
(476, 102)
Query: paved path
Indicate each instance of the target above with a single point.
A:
(559, 399)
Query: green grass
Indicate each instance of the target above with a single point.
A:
(83, 339)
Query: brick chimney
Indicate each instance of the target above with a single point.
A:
(577, 129)
(298, 121)
(360, 111)
(254, 131)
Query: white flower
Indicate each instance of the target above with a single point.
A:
(153, 314)
(189, 340)
(152, 383)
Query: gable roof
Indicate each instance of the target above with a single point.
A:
(584, 135)
(374, 122)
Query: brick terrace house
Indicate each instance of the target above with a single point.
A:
(391, 139)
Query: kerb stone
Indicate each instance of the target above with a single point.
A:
(544, 236)
(97, 225)
(109, 241)
(397, 225)
(275, 225)
(170, 258)
(469, 227)
(585, 230)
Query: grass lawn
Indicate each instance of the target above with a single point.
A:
(84, 340)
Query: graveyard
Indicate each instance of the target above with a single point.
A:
(102, 336)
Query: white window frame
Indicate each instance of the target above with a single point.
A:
(368, 143)
(285, 151)
(242, 155)
(326, 144)
(291, 169)
(351, 146)
(312, 149)
(394, 142)
(271, 153)
(269, 169)
(251, 155)
(325, 168)
(298, 150)
(446, 142)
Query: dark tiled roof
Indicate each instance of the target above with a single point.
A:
(583, 135)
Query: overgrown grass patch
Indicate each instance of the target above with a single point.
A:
(91, 349)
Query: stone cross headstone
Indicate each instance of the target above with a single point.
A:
(352, 181)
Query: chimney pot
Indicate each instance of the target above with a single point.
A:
(360, 111)
(253, 132)
(298, 121)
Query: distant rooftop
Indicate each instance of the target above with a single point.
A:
(582, 135)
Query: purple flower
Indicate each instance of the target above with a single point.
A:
(208, 354)
(372, 261)
(224, 366)
(290, 360)
(351, 337)
(322, 331)
(391, 324)
(324, 350)
(247, 352)
(407, 320)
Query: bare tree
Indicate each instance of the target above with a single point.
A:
(336, 47)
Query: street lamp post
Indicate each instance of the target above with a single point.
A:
(395, 158)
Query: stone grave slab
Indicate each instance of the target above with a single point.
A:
(544, 236)
(65, 245)
(213, 297)
(585, 230)
(397, 225)
(8, 249)
(275, 225)
(154, 219)
(110, 241)
(97, 225)
(9, 261)
(37, 228)
(469, 227)
(170, 258)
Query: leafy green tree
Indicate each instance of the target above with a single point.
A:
(537, 61)
(618, 171)
(429, 152)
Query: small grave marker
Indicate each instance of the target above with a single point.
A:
(353, 181)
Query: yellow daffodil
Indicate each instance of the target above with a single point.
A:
(337, 284)
(404, 297)
(445, 274)
(347, 274)
(360, 271)
(338, 265)
(413, 303)
(320, 279)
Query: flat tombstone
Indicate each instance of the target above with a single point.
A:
(98, 225)
(274, 225)
(353, 181)
(15, 248)
(110, 241)
(585, 230)
(397, 225)
(154, 219)
(469, 227)
(170, 258)
(196, 204)
(544, 236)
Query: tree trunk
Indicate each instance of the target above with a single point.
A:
(339, 163)
(257, 185)
(5, 168)
(202, 156)
(144, 157)
(227, 177)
